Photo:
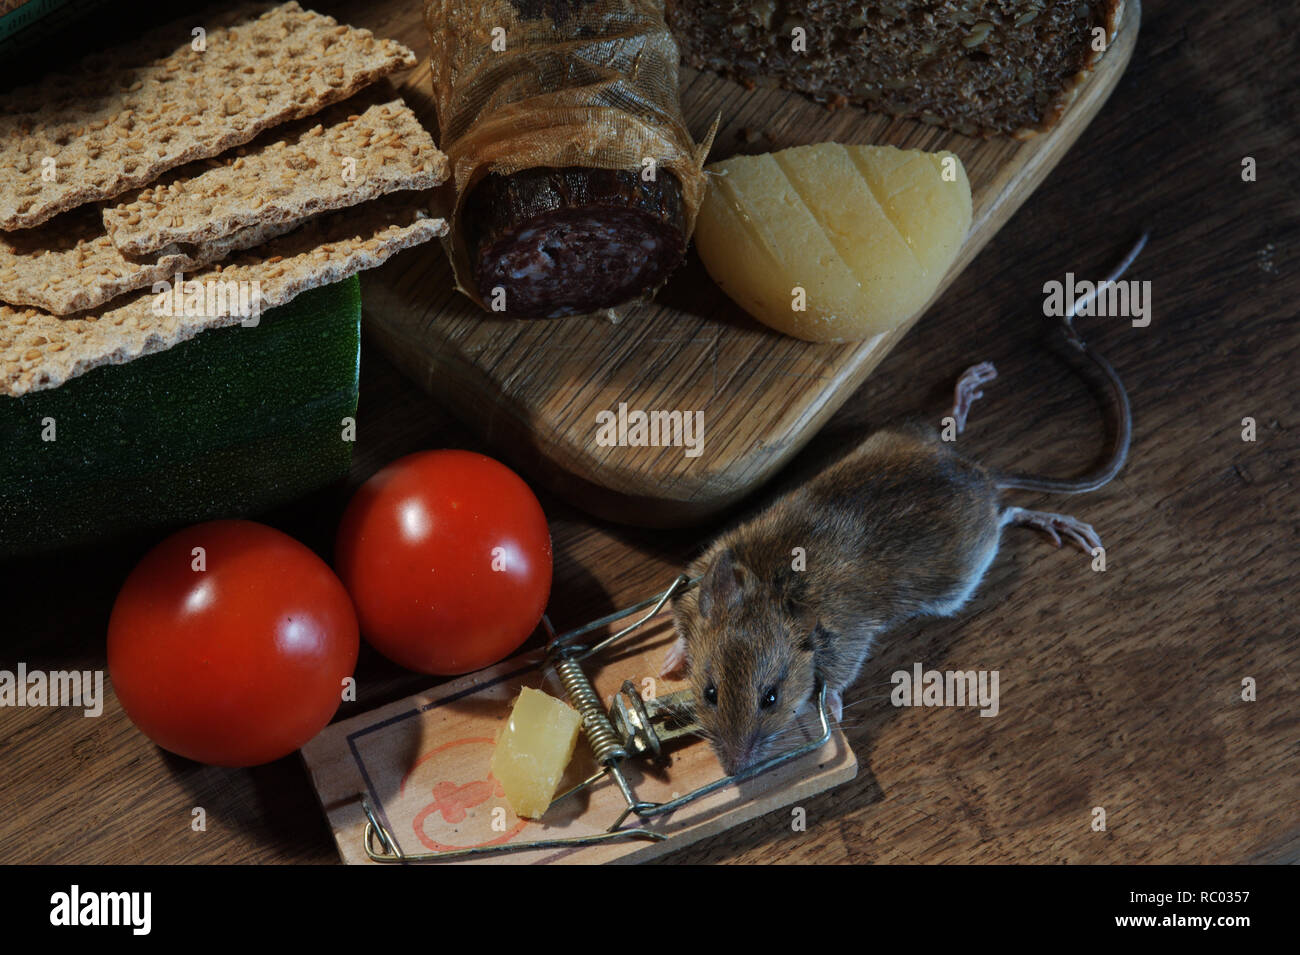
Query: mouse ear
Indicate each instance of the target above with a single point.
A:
(724, 582)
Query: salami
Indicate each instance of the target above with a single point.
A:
(576, 181)
(552, 242)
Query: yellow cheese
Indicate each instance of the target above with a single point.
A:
(833, 243)
(533, 750)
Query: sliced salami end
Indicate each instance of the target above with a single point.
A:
(573, 240)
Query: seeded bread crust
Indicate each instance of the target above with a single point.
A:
(979, 67)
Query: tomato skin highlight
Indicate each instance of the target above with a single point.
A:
(447, 556)
(239, 663)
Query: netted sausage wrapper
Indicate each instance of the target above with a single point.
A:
(576, 180)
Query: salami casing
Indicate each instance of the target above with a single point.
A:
(576, 181)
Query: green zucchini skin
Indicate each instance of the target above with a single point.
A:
(235, 421)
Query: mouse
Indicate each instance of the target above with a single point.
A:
(904, 527)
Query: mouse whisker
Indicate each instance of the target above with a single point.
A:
(865, 699)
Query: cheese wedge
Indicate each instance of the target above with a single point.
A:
(533, 751)
(833, 243)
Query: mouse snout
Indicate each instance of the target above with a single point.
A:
(738, 755)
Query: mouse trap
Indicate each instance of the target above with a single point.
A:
(411, 782)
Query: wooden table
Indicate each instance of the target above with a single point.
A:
(1119, 690)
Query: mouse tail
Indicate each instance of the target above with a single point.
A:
(1106, 472)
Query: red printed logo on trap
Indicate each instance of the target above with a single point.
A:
(459, 809)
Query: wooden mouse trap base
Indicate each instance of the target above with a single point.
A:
(424, 764)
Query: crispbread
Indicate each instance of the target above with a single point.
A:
(69, 264)
(116, 67)
(302, 172)
(40, 351)
(285, 64)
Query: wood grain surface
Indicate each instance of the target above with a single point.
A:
(535, 387)
(1119, 690)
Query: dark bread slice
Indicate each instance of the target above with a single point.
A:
(980, 67)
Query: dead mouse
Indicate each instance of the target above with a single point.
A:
(903, 527)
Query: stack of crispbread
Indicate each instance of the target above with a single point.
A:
(246, 153)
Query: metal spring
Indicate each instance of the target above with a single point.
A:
(605, 743)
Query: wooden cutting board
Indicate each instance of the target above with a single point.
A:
(425, 764)
(534, 388)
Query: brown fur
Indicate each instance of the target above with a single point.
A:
(902, 527)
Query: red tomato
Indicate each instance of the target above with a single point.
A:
(447, 556)
(240, 662)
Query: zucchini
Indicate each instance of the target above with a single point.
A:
(234, 421)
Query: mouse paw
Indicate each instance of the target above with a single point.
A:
(835, 704)
(677, 662)
(1054, 526)
(968, 391)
